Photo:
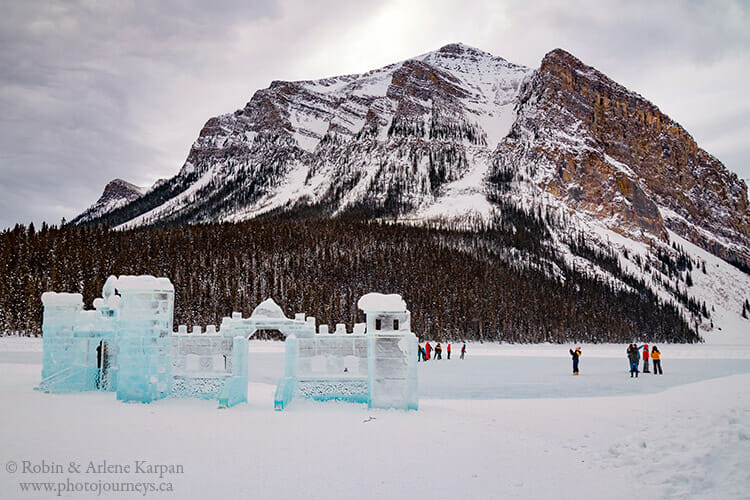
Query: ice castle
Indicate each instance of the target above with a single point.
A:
(128, 345)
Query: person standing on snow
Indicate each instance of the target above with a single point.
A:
(656, 356)
(576, 355)
(463, 351)
(438, 351)
(645, 358)
(449, 350)
(633, 357)
(427, 350)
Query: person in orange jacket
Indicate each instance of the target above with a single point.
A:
(656, 356)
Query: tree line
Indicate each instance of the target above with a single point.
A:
(488, 284)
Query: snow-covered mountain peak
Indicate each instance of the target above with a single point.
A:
(465, 59)
(455, 133)
(117, 193)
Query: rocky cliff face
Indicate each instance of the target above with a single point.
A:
(602, 149)
(450, 134)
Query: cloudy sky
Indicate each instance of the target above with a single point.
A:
(95, 90)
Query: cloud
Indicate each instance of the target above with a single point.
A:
(92, 90)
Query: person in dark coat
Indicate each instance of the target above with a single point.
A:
(576, 356)
(438, 351)
(463, 351)
(634, 358)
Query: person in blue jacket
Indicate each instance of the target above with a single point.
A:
(634, 357)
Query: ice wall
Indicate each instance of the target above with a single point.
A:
(329, 366)
(201, 363)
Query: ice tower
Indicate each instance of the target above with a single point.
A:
(392, 352)
(67, 358)
(144, 326)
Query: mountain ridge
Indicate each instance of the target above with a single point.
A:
(464, 137)
(444, 82)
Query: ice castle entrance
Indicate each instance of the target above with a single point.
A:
(263, 334)
(102, 363)
(127, 345)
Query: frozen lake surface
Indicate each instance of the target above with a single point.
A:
(506, 422)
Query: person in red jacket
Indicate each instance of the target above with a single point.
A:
(645, 358)
(449, 350)
(427, 350)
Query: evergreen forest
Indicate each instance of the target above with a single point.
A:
(494, 283)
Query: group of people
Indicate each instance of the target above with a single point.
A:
(427, 352)
(634, 357)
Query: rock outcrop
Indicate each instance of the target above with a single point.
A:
(605, 150)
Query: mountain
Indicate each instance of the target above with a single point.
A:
(117, 193)
(421, 138)
(390, 141)
(469, 139)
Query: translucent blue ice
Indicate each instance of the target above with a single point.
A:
(128, 345)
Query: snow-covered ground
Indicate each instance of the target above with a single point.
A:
(509, 421)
